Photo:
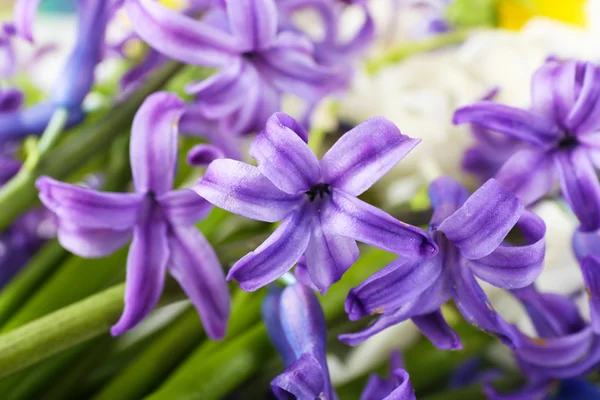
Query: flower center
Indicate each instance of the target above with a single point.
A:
(249, 55)
(568, 142)
(320, 189)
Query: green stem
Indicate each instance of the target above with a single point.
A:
(60, 330)
(397, 54)
(52, 133)
(18, 290)
(20, 194)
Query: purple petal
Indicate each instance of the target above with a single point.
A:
(203, 154)
(276, 255)
(590, 266)
(303, 323)
(195, 266)
(180, 37)
(226, 91)
(24, 15)
(364, 155)
(11, 100)
(241, 189)
(557, 352)
(554, 89)
(353, 218)
(253, 22)
(447, 196)
(529, 174)
(404, 390)
(580, 186)
(272, 318)
(584, 117)
(482, 223)
(87, 208)
(586, 243)
(512, 267)
(377, 388)
(146, 266)
(393, 286)
(532, 391)
(91, 243)
(302, 275)
(437, 330)
(302, 380)
(521, 124)
(153, 146)
(184, 207)
(475, 306)
(262, 103)
(328, 255)
(284, 158)
(290, 67)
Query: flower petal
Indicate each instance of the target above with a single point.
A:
(146, 266)
(328, 255)
(194, 264)
(554, 89)
(241, 189)
(181, 37)
(253, 22)
(447, 196)
(512, 267)
(302, 380)
(521, 124)
(353, 218)
(474, 305)
(276, 255)
(437, 330)
(284, 157)
(392, 286)
(201, 155)
(153, 146)
(289, 65)
(91, 242)
(271, 316)
(529, 174)
(482, 223)
(184, 207)
(24, 15)
(559, 351)
(365, 154)
(580, 186)
(87, 208)
(584, 116)
(590, 266)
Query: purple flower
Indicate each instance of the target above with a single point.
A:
(8, 63)
(586, 246)
(315, 200)
(562, 130)
(296, 326)
(160, 220)
(259, 62)
(78, 73)
(396, 387)
(566, 347)
(469, 232)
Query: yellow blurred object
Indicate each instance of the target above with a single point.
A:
(514, 16)
(174, 4)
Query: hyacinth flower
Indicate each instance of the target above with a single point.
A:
(586, 246)
(296, 326)
(567, 348)
(258, 61)
(470, 232)
(330, 49)
(160, 220)
(67, 93)
(396, 387)
(316, 202)
(562, 131)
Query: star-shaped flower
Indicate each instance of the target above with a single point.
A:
(316, 200)
(160, 220)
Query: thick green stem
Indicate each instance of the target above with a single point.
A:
(399, 53)
(60, 330)
(20, 194)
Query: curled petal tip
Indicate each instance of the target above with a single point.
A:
(354, 307)
(429, 248)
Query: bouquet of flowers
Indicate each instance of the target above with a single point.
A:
(245, 199)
